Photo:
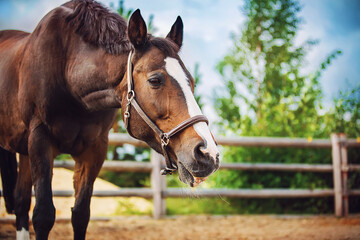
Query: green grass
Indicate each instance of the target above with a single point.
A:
(128, 206)
(185, 206)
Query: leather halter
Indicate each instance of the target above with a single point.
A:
(171, 166)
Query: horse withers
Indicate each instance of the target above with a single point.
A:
(60, 88)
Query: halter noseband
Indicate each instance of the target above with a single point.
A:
(171, 166)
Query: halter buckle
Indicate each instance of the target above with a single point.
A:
(167, 171)
(164, 139)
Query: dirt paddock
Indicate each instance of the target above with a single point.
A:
(209, 227)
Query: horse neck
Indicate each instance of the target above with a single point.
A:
(92, 76)
(85, 71)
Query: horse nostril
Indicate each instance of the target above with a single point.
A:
(200, 151)
(203, 155)
(203, 150)
(205, 160)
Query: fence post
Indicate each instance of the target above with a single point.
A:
(344, 173)
(158, 185)
(336, 160)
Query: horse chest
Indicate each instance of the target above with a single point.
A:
(75, 135)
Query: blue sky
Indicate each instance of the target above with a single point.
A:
(208, 24)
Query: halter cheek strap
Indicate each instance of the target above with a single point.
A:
(171, 166)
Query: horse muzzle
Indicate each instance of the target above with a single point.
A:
(196, 168)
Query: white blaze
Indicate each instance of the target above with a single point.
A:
(22, 235)
(174, 69)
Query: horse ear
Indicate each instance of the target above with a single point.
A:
(176, 32)
(137, 31)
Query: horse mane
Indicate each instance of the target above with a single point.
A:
(98, 26)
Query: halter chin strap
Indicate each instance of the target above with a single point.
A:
(171, 166)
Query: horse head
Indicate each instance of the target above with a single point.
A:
(164, 92)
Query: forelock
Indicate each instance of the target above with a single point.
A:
(168, 47)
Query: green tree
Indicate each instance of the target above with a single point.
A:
(345, 116)
(266, 94)
(262, 74)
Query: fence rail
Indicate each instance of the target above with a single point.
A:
(219, 192)
(120, 139)
(159, 192)
(115, 166)
(131, 166)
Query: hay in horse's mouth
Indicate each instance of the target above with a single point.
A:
(199, 180)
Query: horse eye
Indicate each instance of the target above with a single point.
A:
(155, 82)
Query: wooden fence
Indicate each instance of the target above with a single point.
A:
(159, 192)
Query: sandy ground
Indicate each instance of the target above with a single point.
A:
(209, 227)
(63, 180)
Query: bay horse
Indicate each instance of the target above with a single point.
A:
(60, 89)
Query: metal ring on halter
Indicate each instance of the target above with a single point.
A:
(164, 139)
(167, 171)
(130, 96)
